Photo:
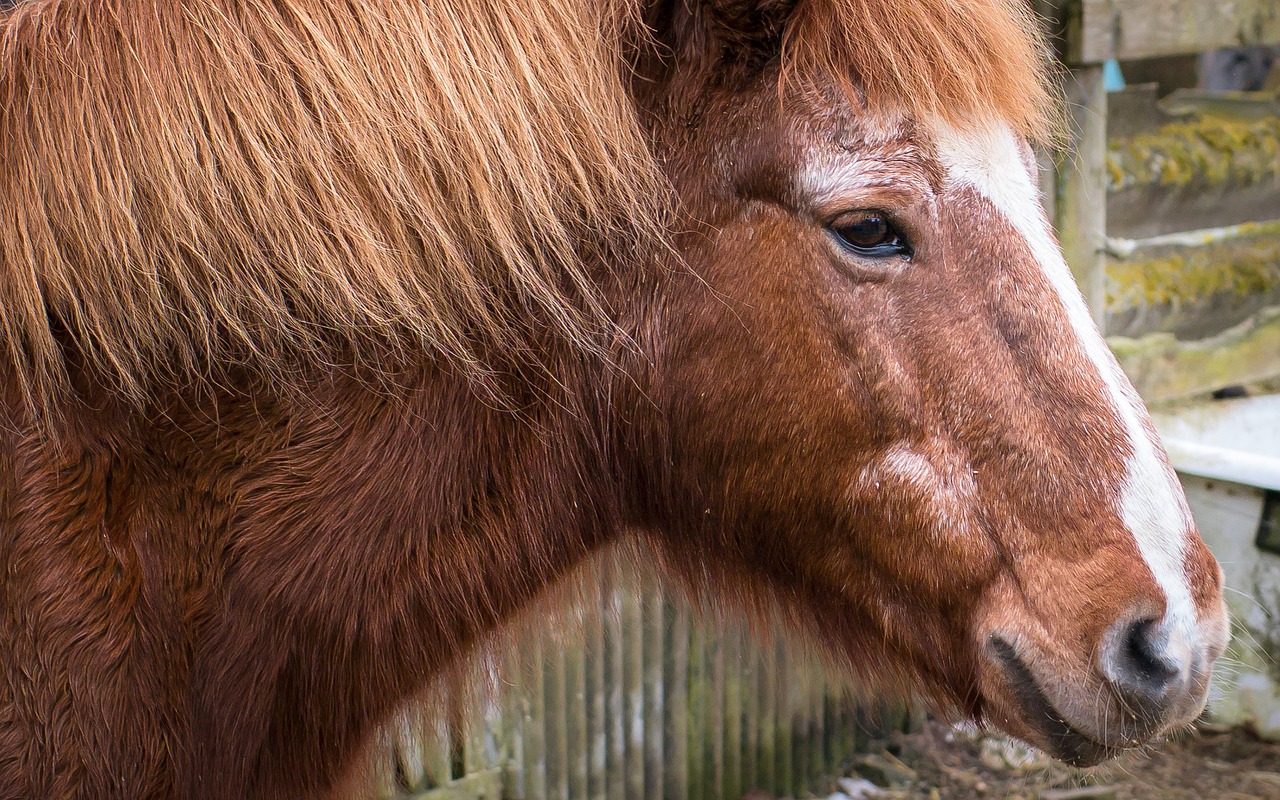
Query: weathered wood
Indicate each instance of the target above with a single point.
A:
(513, 715)
(556, 723)
(654, 706)
(577, 744)
(534, 724)
(785, 778)
(1134, 29)
(486, 785)
(633, 690)
(817, 723)
(767, 770)
(698, 728)
(750, 720)
(1164, 369)
(407, 733)
(714, 709)
(597, 696)
(642, 704)
(734, 675)
(615, 784)
(1082, 187)
(675, 687)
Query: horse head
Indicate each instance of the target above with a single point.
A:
(886, 405)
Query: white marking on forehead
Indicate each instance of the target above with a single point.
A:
(1152, 504)
(831, 174)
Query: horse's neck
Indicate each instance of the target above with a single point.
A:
(314, 562)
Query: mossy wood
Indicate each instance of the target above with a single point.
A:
(1164, 369)
(1194, 284)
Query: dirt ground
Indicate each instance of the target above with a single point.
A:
(942, 763)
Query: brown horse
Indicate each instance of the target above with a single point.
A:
(335, 332)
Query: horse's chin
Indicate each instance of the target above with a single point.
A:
(1034, 718)
(1079, 722)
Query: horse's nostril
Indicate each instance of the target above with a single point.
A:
(1136, 660)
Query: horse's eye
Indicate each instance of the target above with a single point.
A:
(868, 233)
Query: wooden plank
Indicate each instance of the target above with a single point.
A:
(576, 717)
(556, 723)
(382, 779)
(1098, 30)
(698, 732)
(1082, 187)
(512, 701)
(633, 689)
(654, 729)
(1165, 369)
(734, 676)
(785, 779)
(534, 722)
(751, 761)
(408, 733)
(800, 733)
(817, 724)
(767, 771)
(485, 785)
(597, 694)
(475, 722)
(714, 709)
(617, 727)
(675, 687)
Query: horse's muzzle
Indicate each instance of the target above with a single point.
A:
(1148, 679)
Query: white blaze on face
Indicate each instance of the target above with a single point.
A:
(1152, 504)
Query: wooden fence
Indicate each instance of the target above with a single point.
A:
(635, 700)
(1168, 208)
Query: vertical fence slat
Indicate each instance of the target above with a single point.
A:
(751, 720)
(577, 748)
(535, 737)
(817, 726)
(511, 701)
(695, 702)
(640, 702)
(597, 693)
(633, 689)
(715, 715)
(616, 786)
(675, 687)
(654, 656)
(766, 754)
(556, 724)
(734, 675)
(782, 742)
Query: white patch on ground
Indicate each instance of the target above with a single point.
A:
(1151, 503)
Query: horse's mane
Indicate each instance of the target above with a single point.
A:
(276, 182)
(189, 183)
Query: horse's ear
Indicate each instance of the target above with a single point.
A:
(716, 30)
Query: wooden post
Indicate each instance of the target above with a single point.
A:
(1082, 187)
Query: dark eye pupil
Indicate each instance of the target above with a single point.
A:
(868, 234)
(867, 231)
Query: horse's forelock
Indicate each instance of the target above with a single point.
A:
(277, 183)
(966, 62)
